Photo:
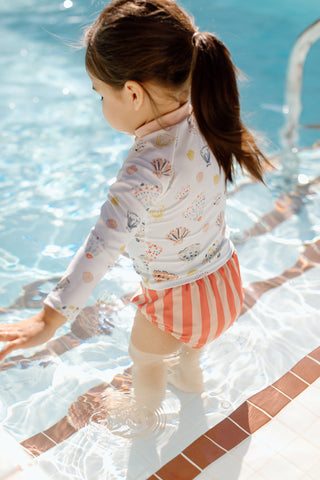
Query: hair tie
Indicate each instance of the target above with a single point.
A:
(194, 36)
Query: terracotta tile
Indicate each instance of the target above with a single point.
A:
(226, 434)
(315, 354)
(60, 431)
(249, 417)
(152, 478)
(202, 452)
(178, 469)
(290, 385)
(270, 400)
(307, 369)
(123, 381)
(98, 389)
(90, 402)
(38, 444)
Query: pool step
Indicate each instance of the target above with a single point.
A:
(13, 458)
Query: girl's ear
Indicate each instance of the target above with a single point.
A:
(135, 94)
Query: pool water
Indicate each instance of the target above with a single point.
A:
(58, 155)
(58, 158)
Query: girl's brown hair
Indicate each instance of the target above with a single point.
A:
(155, 40)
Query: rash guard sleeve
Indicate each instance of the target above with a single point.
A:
(136, 190)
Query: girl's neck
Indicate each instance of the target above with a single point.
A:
(165, 121)
(162, 101)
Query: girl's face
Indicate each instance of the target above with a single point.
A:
(116, 106)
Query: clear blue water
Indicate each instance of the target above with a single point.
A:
(57, 153)
(57, 159)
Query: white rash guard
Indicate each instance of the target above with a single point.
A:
(166, 208)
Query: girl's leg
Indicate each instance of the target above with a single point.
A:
(149, 347)
(187, 374)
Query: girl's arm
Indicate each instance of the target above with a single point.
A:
(105, 243)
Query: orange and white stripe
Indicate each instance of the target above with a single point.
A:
(198, 312)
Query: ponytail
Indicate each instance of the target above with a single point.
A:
(216, 106)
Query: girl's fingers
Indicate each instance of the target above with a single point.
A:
(7, 335)
(9, 348)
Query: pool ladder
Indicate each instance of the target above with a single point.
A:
(293, 106)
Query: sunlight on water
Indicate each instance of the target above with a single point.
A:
(121, 416)
(57, 163)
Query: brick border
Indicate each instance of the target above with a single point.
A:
(243, 422)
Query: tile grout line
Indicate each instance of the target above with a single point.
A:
(300, 378)
(314, 359)
(239, 426)
(49, 438)
(215, 443)
(190, 461)
(285, 394)
(155, 475)
(259, 408)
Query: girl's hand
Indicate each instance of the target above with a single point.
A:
(31, 332)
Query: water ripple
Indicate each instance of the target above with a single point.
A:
(121, 416)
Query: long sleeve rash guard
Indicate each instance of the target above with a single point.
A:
(166, 208)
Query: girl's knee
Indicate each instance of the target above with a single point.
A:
(144, 358)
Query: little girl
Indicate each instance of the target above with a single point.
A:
(146, 60)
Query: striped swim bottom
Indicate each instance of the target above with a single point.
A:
(198, 312)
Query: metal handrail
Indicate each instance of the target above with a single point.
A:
(293, 106)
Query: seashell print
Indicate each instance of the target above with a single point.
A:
(216, 179)
(111, 223)
(164, 139)
(178, 235)
(162, 275)
(191, 272)
(136, 267)
(69, 312)
(62, 285)
(144, 262)
(114, 201)
(205, 154)
(157, 212)
(183, 193)
(219, 220)
(199, 177)
(94, 246)
(131, 169)
(140, 232)
(133, 220)
(161, 167)
(147, 194)
(195, 211)
(190, 155)
(217, 200)
(87, 277)
(140, 266)
(139, 146)
(213, 252)
(152, 252)
(189, 253)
